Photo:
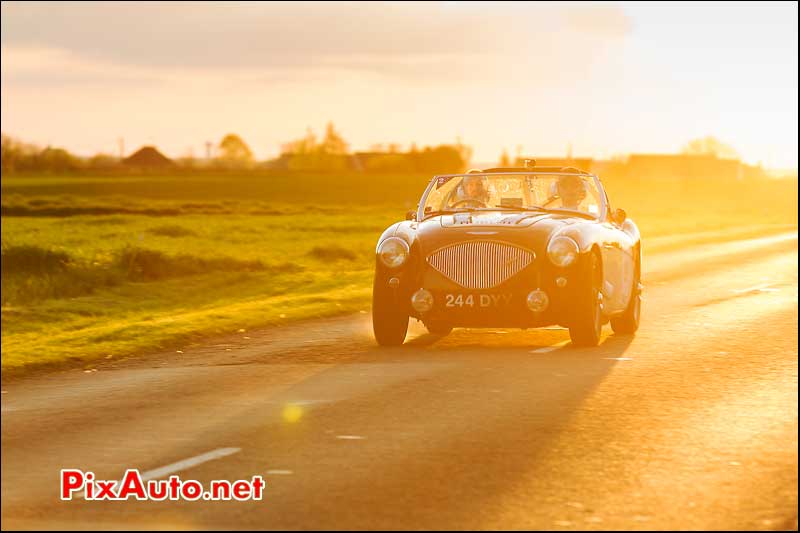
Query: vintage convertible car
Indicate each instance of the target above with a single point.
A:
(510, 248)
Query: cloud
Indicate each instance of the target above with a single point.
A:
(600, 20)
(407, 39)
(55, 68)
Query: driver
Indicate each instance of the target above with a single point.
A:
(472, 189)
(572, 191)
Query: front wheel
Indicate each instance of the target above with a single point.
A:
(389, 321)
(586, 324)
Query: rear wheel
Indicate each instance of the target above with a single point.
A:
(628, 322)
(587, 322)
(389, 319)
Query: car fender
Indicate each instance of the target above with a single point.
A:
(585, 235)
(630, 227)
(405, 230)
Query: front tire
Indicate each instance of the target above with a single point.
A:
(628, 322)
(389, 319)
(586, 325)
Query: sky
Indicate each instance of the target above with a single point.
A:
(605, 78)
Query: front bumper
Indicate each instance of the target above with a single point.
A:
(501, 306)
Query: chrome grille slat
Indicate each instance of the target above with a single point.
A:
(480, 264)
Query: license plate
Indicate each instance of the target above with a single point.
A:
(477, 300)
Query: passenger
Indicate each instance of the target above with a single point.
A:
(572, 191)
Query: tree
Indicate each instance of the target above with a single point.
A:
(307, 154)
(57, 161)
(442, 158)
(333, 143)
(504, 161)
(18, 156)
(102, 163)
(303, 146)
(233, 150)
(710, 146)
(464, 152)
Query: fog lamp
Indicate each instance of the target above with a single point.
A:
(422, 301)
(537, 301)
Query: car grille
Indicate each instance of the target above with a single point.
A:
(480, 264)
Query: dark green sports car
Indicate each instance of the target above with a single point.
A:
(512, 248)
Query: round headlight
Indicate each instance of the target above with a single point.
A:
(393, 252)
(562, 251)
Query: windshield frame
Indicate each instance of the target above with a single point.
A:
(601, 217)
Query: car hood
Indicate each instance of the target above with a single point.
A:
(530, 230)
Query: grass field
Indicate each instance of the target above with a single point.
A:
(98, 268)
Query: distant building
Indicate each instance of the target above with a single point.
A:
(318, 162)
(279, 163)
(148, 157)
(388, 161)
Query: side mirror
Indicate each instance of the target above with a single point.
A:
(619, 216)
(411, 215)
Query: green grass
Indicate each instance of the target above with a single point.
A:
(84, 287)
(99, 267)
(133, 317)
(218, 189)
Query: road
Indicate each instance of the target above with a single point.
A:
(691, 424)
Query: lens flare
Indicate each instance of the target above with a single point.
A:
(292, 413)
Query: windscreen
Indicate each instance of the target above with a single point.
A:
(513, 192)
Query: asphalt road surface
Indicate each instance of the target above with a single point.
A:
(691, 424)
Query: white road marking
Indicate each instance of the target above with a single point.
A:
(178, 466)
(299, 403)
(188, 463)
(764, 287)
(550, 348)
(350, 437)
